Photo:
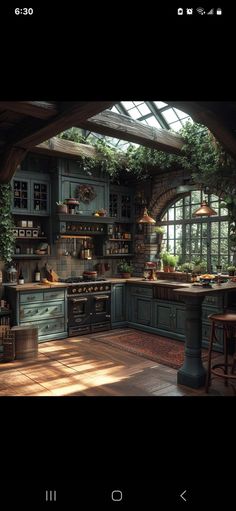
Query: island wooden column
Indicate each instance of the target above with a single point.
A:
(192, 372)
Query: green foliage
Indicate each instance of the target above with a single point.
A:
(173, 260)
(165, 256)
(7, 238)
(125, 267)
(187, 267)
(159, 230)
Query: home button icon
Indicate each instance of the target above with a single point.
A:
(116, 495)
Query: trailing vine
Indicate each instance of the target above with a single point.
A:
(202, 155)
(7, 239)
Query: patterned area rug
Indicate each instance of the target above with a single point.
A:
(154, 347)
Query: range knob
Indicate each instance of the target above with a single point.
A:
(84, 289)
(90, 289)
(80, 289)
(96, 288)
(107, 287)
(101, 288)
(74, 290)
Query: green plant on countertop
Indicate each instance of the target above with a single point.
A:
(187, 267)
(199, 266)
(172, 260)
(7, 237)
(125, 267)
(231, 270)
(165, 258)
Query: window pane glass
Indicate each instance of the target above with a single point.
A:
(204, 230)
(223, 211)
(224, 227)
(170, 115)
(214, 246)
(196, 197)
(171, 246)
(178, 213)
(187, 212)
(171, 214)
(214, 229)
(204, 246)
(171, 231)
(178, 231)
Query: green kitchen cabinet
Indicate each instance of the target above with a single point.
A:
(118, 305)
(31, 194)
(121, 204)
(44, 308)
(139, 303)
(70, 187)
(169, 318)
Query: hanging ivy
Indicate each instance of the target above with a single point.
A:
(7, 238)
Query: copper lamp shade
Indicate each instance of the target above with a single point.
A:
(204, 210)
(146, 219)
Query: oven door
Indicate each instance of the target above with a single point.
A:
(79, 310)
(101, 308)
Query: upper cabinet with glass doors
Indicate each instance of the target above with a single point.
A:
(121, 204)
(30, 195)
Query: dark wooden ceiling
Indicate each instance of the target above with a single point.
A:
(26, 124)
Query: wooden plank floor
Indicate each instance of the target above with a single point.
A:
(84, 366)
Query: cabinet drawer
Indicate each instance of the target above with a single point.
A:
(216, 301)
(142, 290)
(31, 297)
(35, 313)
(50, 327)
(207, 311)
(54, 295)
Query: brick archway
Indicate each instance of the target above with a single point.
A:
(161, 202)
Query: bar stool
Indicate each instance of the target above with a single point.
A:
(228, 322)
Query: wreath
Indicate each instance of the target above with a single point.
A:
(85, 193)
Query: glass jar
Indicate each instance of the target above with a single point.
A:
(12, 275)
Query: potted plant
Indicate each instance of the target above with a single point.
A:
(231, 270)
(187, 267)
(172, 262)
(62, 207)
(165, 260)
(159, 236)
(125, 269)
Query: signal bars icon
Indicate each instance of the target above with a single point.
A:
(211, 11)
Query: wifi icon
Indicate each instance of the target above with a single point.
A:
(200, 10)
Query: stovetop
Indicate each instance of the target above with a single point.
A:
(77, 280)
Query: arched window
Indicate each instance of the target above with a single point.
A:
(191, 238)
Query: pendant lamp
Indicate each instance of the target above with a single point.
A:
(146, 219)
(204, 210)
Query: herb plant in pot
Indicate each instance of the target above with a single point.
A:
(165, 260)
(231, 270)
(125, 269)
(172, 262)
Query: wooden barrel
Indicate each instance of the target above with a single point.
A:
(26, 341)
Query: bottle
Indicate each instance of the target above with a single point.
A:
(21, 277)
(37, 275)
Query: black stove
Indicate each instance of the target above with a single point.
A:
(89, 305)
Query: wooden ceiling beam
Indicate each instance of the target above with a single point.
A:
(33, 133)
(38, 109)
(125, 128)
(9, 162)
(61, 147)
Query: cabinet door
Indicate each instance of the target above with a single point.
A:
(118, 303)
(143, 311)
(21, 196)
(164, 319)
(125, 207)
(178, 319)
(114, 205)
(40, 197)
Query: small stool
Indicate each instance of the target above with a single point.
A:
(228, 322)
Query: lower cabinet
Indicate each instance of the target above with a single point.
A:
(46, 309)
(206, 328)
(118, 305)
(169, 318)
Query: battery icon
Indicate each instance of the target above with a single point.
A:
(219, 11)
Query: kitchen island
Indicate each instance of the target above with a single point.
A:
(192, 373)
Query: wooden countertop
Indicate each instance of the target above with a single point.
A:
(34, 286)
(201, 291)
